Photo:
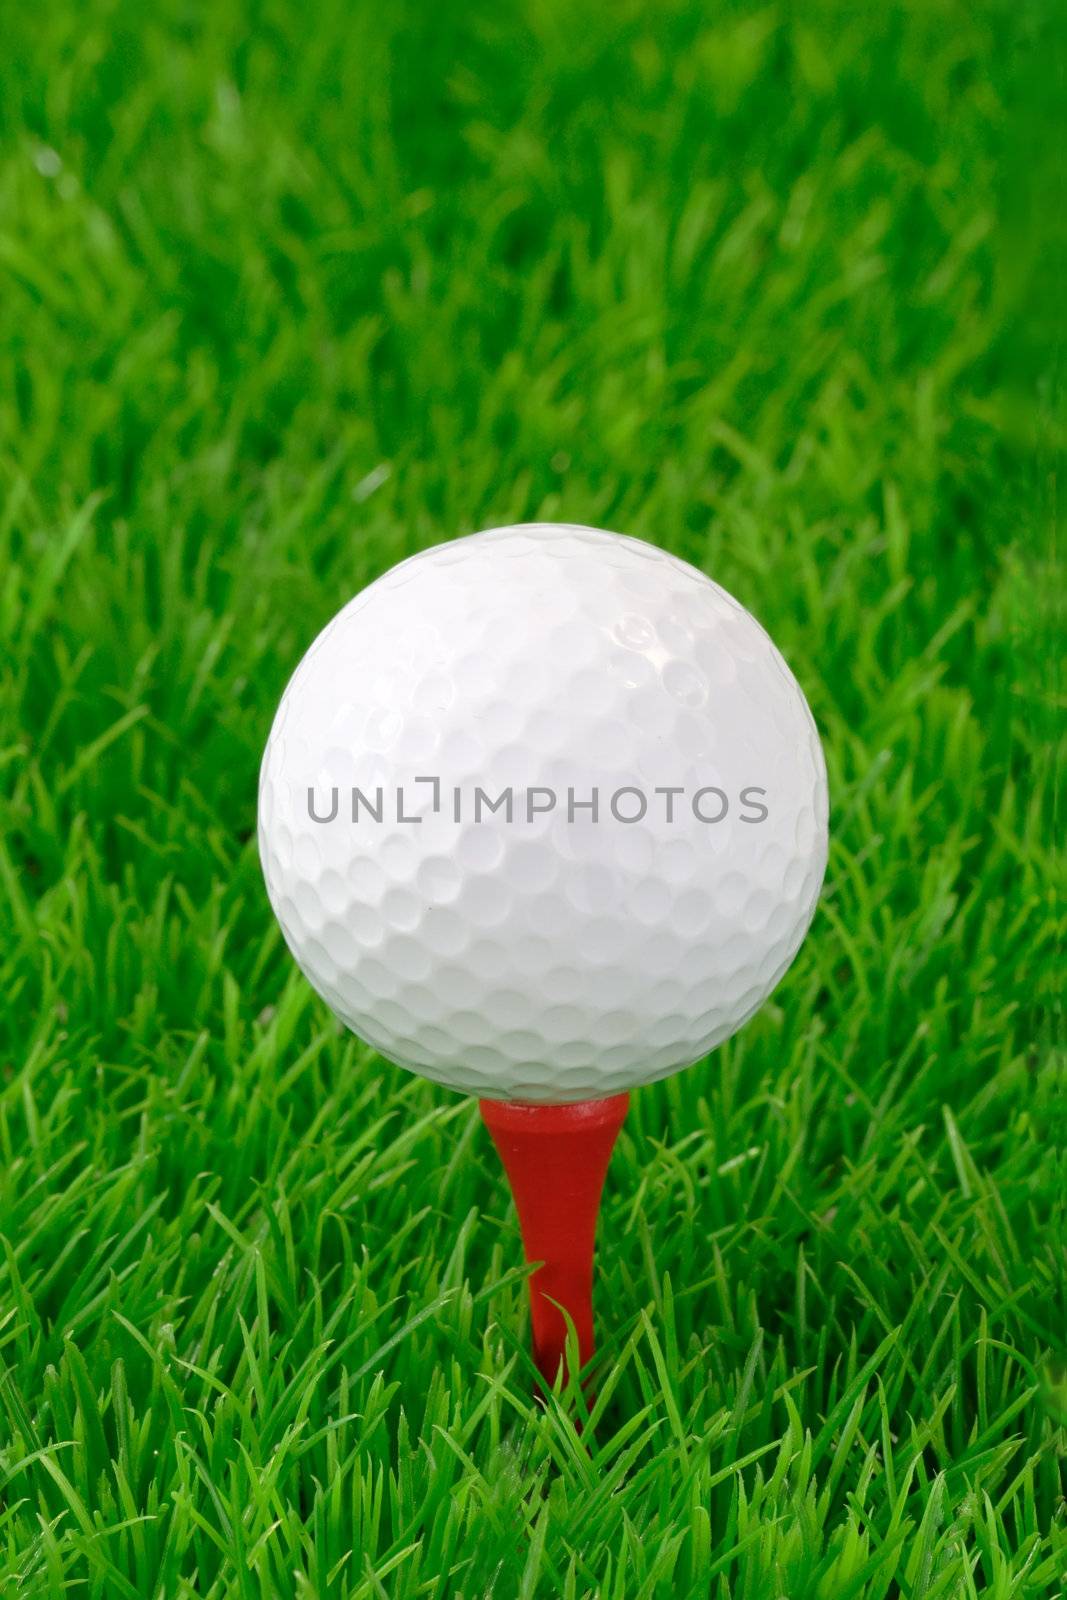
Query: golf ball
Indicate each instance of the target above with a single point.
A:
(543, 814)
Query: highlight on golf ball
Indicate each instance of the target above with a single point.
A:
(543, 814)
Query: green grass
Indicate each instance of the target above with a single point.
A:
(287, 292)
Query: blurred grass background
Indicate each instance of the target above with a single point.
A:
(286, 293)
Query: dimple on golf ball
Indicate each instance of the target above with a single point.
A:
(543, 814)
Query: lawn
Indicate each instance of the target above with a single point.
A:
(288, 292)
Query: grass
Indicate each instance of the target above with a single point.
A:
(287, 292)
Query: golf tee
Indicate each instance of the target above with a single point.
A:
(556, 1158)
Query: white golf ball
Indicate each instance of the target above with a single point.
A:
(543, 814)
